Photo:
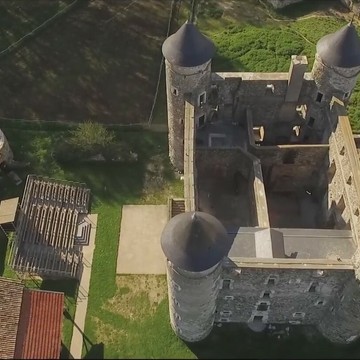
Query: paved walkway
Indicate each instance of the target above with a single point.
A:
(82, 300)
(139, 249)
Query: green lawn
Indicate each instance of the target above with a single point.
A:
(148, 180)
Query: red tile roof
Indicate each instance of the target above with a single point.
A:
(11, 293)
(39, 334)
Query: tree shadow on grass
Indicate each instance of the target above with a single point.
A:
(235, 341)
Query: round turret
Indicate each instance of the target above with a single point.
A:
(195, 241)
(188, 47)
(194, 244)
(6, 155)
(188, 56)
(337, 63)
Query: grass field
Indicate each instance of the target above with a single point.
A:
(148, 180)
(83, 66)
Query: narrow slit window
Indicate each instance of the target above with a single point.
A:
(313, 287)
(341, 204)
(319, 97)
(349, 180)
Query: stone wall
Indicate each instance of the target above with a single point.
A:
(291, 167)
(342, 323)
(192, 301)
(184, 84)
(343, 197)
(334, 81)
(292, 292)
(229, 161)
(189, 156)
(263, 93)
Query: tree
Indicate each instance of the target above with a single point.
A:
(91, 138)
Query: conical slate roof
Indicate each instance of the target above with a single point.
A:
(341, 49)
(188, 47)
(195, 241)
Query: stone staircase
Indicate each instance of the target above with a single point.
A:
(176, 206)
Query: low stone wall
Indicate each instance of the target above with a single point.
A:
(229, 161)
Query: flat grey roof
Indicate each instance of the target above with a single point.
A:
(298, 243)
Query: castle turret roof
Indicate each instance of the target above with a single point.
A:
(188, 47)
(195, 241)
(341, 49)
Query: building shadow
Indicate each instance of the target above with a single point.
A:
(93, 351)
(96, 352)
(236, 341)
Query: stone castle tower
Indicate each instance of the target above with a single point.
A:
(188, 56)
(194, 244)
(337, 64)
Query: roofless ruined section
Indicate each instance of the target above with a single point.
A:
(51, 228)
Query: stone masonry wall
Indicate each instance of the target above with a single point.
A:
(254, 91)
(334, 81)
(342, 323)
(184, 84)
(228, 161)
(291, 293)
(343, 197)
(192, 301)
(291, 167)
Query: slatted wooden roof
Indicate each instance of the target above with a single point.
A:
(47, 224)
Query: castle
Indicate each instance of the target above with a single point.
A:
(271, 231)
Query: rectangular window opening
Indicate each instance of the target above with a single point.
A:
(311, 122)
(258, 318)
(313, 287)
(226, 284)
(202, 99)
(266, 295)
(201, 120)
(262, 306)
(319, 97)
